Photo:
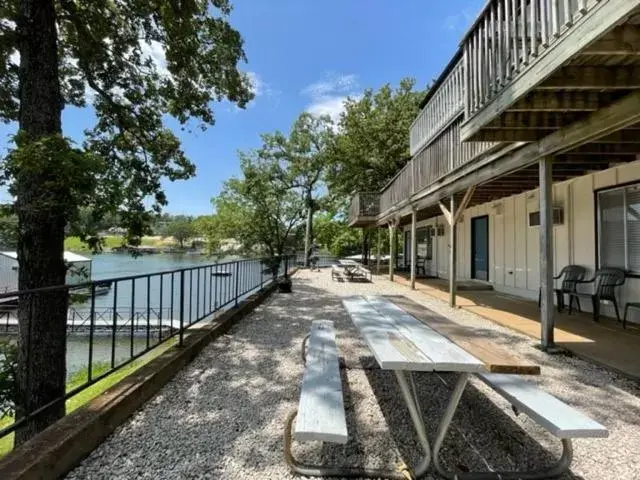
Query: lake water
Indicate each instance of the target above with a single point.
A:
(148, 307)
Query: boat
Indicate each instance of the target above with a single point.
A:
(101, 288)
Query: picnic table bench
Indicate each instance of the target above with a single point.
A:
(404, 344)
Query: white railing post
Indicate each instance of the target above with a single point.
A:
(523, 19)
(544, 22)
(500, 49)
(555, 17)
(515, 46)
(534, 28)
(568, 17)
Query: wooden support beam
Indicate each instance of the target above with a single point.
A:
(463, 204)
(622, 40)
(452, 257)
(563, 101)
(379, 255)
(594, 78)
(512, 135)
(446, 213)
(414, 248)
(606, 149)
(546, 253)
(624, 136)
(393, 224)
(534, 120)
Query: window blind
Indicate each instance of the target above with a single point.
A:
(633, 228)
(612, 229)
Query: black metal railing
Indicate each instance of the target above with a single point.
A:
(112, 322)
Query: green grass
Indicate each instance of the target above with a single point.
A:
(74, 244)
(88, 394)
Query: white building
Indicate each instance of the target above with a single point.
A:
(526, 154)
(78, 270)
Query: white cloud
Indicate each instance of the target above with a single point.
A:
(257, 84)
(155, 52)
(329, 94)
(259, 87)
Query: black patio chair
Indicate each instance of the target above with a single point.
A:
(570, 274)
(421, 265)
(605, 281)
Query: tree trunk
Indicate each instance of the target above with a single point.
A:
(41, 216)
(308, 237)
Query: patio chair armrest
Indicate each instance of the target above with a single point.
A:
(587, 281)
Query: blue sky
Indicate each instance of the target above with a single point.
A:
(307, 55)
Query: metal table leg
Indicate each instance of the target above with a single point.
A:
(555, 470)
(407, 386)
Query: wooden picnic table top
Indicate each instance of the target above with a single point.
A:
(404, 335)
(347, 262)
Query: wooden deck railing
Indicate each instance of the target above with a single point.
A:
(507, 37)
(445, 154)
(445, 105)
(398, 190)
(364, 204)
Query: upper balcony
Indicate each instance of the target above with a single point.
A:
(534, 66)
(364, 209)
(442, 107)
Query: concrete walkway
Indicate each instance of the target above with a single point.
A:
(605, 342)
(222, 416)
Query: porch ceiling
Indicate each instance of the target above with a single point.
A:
(582, 160)
(600, 74)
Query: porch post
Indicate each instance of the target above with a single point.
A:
(414, 247)
(452, 253)
(392, 248)
(379, 253)
(546, 252)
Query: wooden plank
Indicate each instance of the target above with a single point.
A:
(554, 415)
(442, 352)
(321, 413)
(564, 101)
(447, 214)
(390, 349)
(575, 77)
(622, 40)
(495, 358)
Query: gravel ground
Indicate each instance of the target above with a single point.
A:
(222, 416)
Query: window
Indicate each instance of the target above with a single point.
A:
(558, 217)
(619, 228)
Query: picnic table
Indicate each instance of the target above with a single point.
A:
(349, 266)
(404, 337)
(349, 269)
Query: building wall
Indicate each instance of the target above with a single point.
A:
(514, 246)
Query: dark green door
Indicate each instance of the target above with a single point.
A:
(480, 248)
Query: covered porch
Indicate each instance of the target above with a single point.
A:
(605, 342)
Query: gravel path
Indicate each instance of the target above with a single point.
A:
(222, 416)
